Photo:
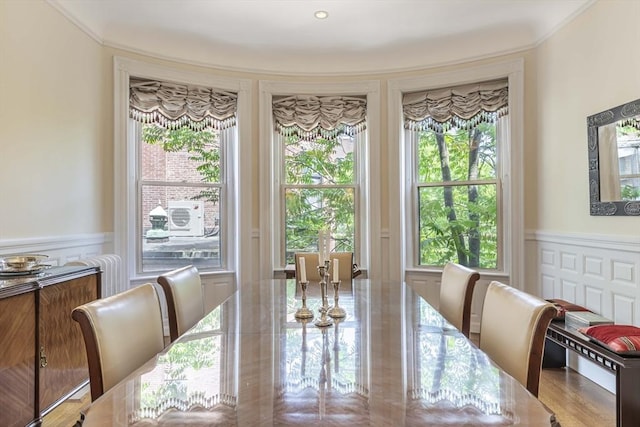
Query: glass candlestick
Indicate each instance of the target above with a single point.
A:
(304, 312)
(336, 310)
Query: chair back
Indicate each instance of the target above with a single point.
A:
(185, 300)
(513, 331)
(456, 293)
(121, 333)
(311, 261)
(345, 268)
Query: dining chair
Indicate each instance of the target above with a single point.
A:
(513, 330)
(345, 268)
(185, 300)
(456, 292)
(311, 260)
(121, 333)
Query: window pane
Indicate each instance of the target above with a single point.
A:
(307, 211)
(321, 161)
(458, 223)
(181, 226)
(462, 162)
(180, 155)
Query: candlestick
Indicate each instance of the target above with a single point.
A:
(323, 320)
(303, 312)
(336, 311)
(303, 270)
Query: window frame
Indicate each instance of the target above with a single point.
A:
(272, 176)
(355, 186)
(235, 158)
(221, 186)
(497, 181)
(403, 222)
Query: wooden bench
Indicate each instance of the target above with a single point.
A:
(627, 369)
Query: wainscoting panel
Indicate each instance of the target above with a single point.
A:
(599, 272)
(61, 249)
(596, 271)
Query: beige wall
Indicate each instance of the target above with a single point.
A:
(588, 66)
(55, 155)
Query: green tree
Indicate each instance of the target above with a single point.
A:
(319, 177)
(457, 206)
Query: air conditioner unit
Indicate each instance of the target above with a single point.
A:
(186, 218)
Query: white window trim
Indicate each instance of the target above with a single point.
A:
(368, 160)
(402, 222)
(237, 168)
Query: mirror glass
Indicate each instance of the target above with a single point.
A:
(614, 160)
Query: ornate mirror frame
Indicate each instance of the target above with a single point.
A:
(599, 207)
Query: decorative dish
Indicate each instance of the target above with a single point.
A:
(22, 263)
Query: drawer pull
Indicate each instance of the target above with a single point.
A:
(43, 358)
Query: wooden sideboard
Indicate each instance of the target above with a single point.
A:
(42, 356)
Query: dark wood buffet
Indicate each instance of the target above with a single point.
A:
(42, 357)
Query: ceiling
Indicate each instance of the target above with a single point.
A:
(283, 36)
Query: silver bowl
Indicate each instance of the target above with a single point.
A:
(25, 262)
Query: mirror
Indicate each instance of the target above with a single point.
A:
(614, 161)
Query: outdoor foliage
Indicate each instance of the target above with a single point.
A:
(319, 193)
(457, 197)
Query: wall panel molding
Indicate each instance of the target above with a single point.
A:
(600, 272)
(61, 249)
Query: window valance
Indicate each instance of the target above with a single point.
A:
(175, 105)
(460, 106)
(319, 116)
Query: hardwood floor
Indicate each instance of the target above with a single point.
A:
(68, 413)
(576, 401)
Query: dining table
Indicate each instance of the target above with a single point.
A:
(392, 360)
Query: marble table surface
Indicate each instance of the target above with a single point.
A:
(392, 361)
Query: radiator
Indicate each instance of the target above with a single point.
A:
(112, 278)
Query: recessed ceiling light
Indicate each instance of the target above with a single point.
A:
(321, 14)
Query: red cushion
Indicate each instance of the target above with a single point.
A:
(623, 339)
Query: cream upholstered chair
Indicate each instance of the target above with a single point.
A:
(185, 300)
(311, 261)
(345, 268)
(513, 330)
(121, 333)
(456, 293)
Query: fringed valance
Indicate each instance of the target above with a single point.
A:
(173, 105)
(461, 106)
(631, 121)
(310, 117)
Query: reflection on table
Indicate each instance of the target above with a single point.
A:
(392, 361)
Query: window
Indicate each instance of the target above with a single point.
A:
(180, 132)
(319, 138)
(455, 137)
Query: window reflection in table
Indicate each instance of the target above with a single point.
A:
(323, 370)
(462, 376)
(196, 373)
